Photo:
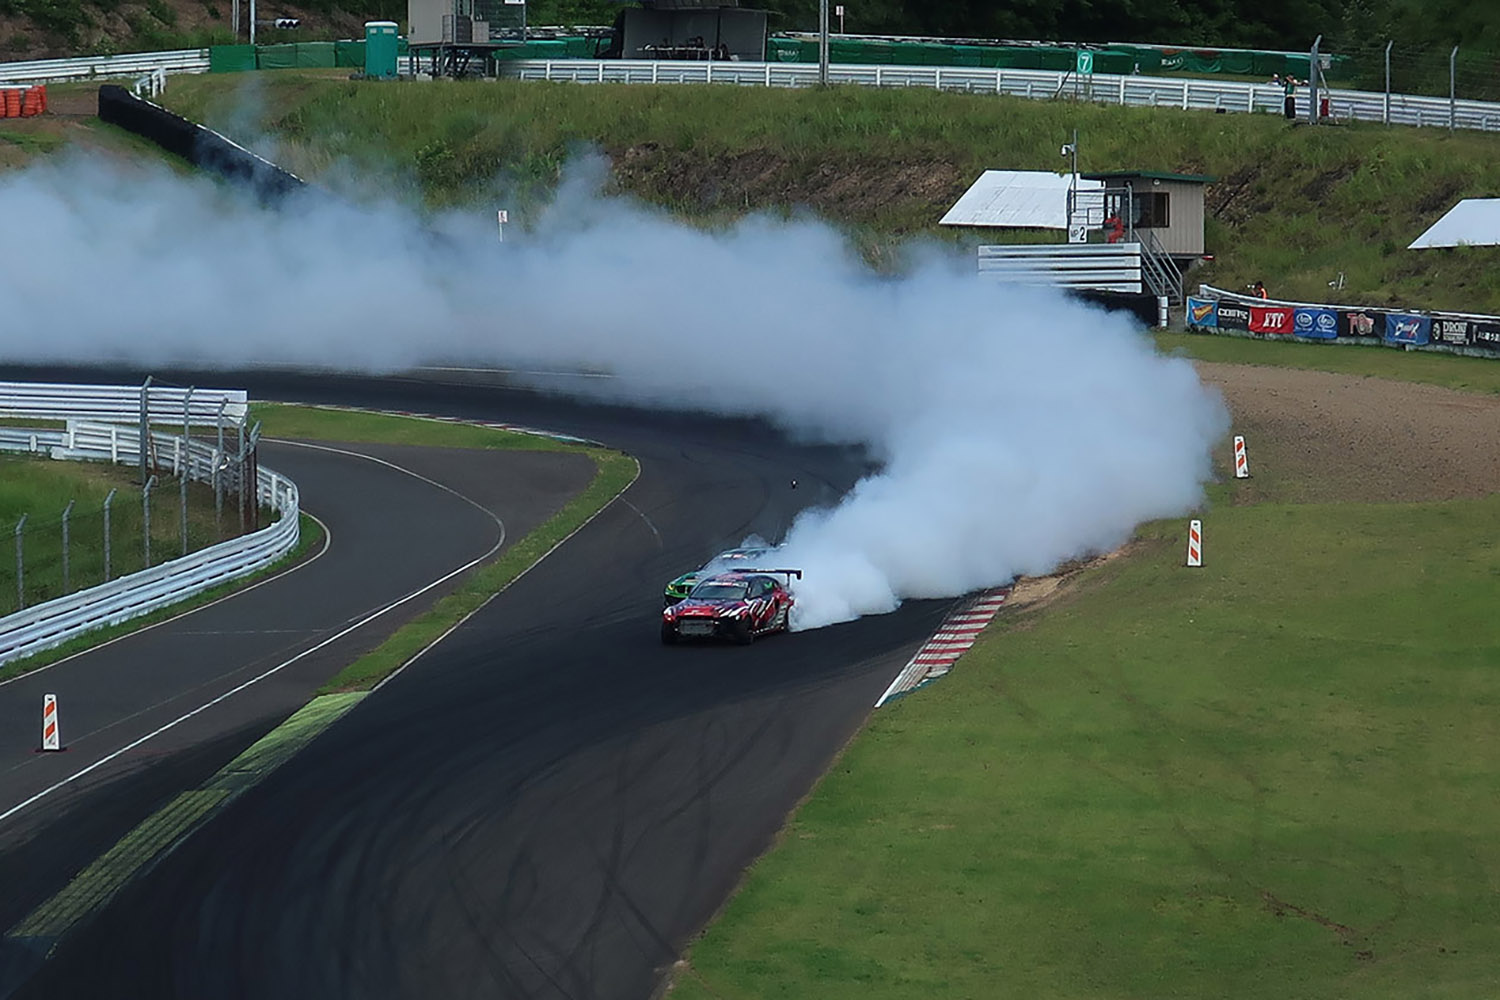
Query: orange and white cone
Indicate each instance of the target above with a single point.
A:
(1241, 463)
(51, 738)
(1195, 543)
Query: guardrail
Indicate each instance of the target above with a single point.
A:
(122, 403)
(1136, 91)
(105, 67)
(56, 621)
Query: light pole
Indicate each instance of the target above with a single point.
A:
(823, 42)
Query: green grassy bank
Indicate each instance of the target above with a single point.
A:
(1272, 777)
(41, 489)
(1293, 205)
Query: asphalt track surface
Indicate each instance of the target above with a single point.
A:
(549, 803)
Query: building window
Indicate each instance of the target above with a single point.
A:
(1151, 211)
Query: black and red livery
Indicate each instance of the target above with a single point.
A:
(738, 605)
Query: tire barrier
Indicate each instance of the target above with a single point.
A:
(202, 147)
(22, 102)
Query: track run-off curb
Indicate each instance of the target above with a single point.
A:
(952, 639)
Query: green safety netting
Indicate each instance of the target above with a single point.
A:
(231, 58)
(291, 55)
(1121, 59)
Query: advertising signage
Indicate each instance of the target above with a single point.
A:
(1361, 323)
(1403, 328)
(1317, 324)
(1233, 316)
(1202, 312)
(1271, 319)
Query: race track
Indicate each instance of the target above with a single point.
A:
(550, 803)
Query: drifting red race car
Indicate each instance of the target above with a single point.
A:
(738, 605)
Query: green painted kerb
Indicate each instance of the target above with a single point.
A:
(93, 888)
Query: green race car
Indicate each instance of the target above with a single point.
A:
(723, 562)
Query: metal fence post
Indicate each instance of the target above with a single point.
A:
(1386, 117)
(21, 564)
(239, 475)
(67, 568)
(1312, 82)
(145, 423)
(218, 465)
(146, 517)
(1452, 87)
(823, 43)
(107, 499)
(187, 460)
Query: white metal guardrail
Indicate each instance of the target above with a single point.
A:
(121, 403)
(1108, 267)
(1140, 91)
(105, 67)
(57, 621)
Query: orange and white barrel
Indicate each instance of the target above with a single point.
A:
(1195, 543)
(51, 738)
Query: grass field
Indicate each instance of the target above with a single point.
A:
(41, 488)
(1433, 368)
(1293, 205)
(1273, 777)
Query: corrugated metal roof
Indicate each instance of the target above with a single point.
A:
(1016, 199)
(1150, 175)
(1472, 222)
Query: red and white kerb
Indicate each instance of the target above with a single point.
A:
(1195, 543)
(948, 643)
(1241, 463)
(51, 740)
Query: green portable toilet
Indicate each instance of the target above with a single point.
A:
(380, 50)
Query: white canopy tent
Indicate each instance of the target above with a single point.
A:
(1473, 222)
(1024, 199)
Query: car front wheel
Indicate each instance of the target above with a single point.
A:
(668, 635)
(740, 632)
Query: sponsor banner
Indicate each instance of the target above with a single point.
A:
(1361, 323)
(1403, 328)
(1232, 315)
(1271, 319)
(1317, 324)
(1484, 335)
(1202, 312)
(1453, 332)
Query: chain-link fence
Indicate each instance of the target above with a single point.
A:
(198, 489)
(1466, 73)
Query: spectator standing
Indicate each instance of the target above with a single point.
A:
(1289, 102)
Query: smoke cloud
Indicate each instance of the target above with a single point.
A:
(1015, 428)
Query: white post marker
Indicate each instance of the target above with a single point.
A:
(51, 739)
(501, 218)
(1241, 463)
(1195, 543)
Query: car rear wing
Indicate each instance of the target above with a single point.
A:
(788, 573)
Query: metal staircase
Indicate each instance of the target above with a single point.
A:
(1159, 272)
